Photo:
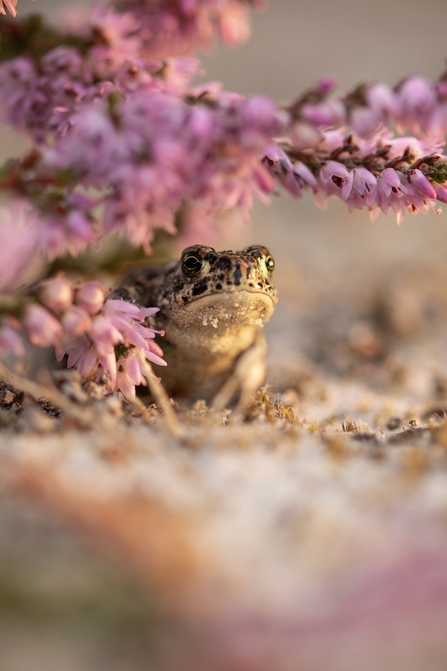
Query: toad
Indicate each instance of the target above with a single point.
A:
(212, 309)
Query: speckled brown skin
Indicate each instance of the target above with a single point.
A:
(212, 308)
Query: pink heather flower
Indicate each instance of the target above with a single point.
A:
(420, 181)
(201, 124)
(418, 148)
(364, 121)
(293, 175)
(104, 334)
(416, 97)
(178, 72)
(258, 113)
(56, 294)
(332, 139)
(333, 176)
(90, 296)
(118, 32)
(326, 85)
(163, 151)
(381, 100)
(304, 135)
(378, 188)
(305, 173)
(118, 322)
(291, 183)
(125, 317)
(41, 327)
(10, 6)
(129, 374)
(79, 232)
(81, 354)
(18, 238)
(76, 320)
(364, 181)
(390, 176)
(73, 233)
(326, 114)
(234, 27)
(10, 342)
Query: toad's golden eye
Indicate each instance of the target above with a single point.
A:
(192, 265)
(270, 264)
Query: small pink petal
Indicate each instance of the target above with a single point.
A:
(391, 177)
(366, 175)
(108, 362)
(421, 182)
(346, 189)
(335, 168)
(131, 365)
(153, 357)
(148, 312)
(125, 385)
(90, 296)
(88, 361)
(303, 171)
(119, 305)
(76, 320)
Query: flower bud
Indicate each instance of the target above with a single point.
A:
(56, 294)
(41, 327)
(10, 342)
(381, 98)
(80, 227)
(417, 96)
(90, 296)
(420, 181)
(76, 320)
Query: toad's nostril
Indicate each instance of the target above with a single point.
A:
(223, 263)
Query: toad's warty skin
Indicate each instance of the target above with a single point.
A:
(212, 308)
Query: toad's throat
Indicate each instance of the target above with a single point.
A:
(223, 309)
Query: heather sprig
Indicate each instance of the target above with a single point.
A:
(104, 339)
(415, 105)
(379, 173)
(145, 155)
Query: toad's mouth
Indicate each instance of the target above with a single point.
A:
(233, 305)
(233, 295)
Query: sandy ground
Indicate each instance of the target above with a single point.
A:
(308, 533)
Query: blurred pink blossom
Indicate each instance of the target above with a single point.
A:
(116, 323)
(41, 327)
(56, 294)
(10, 342)
(18, 240)
(9, 5)
(90, 297)
(76, 320)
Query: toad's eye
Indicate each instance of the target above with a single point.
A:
(270, 264)
(192, 265)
